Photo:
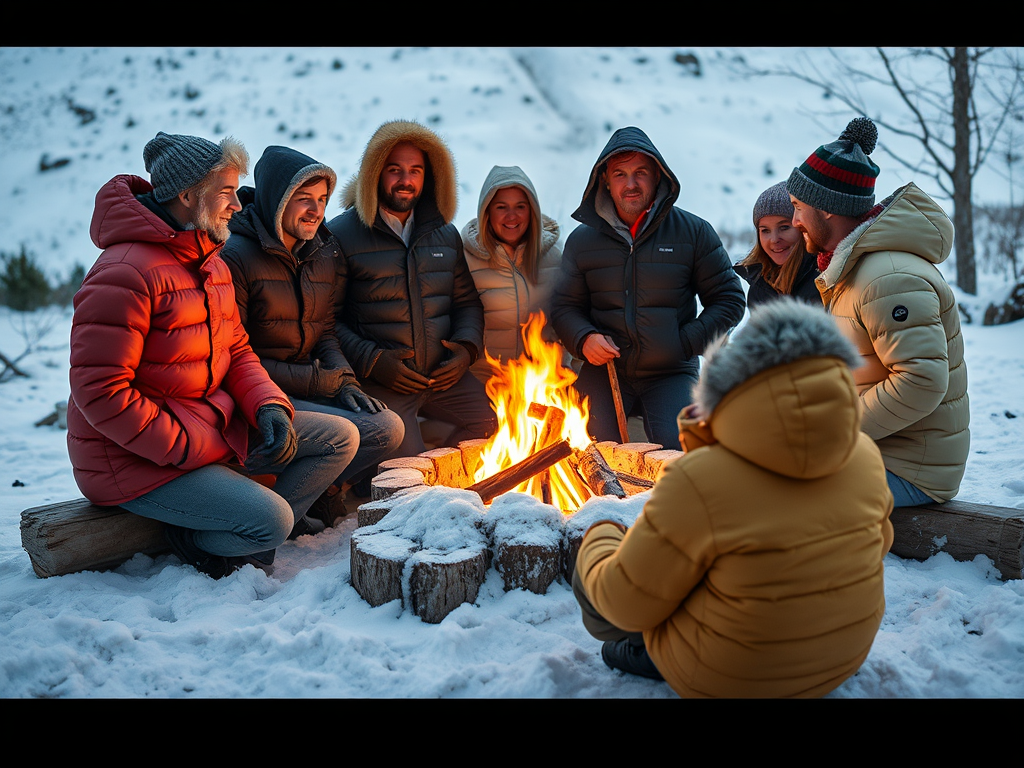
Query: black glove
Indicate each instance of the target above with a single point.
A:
(353, 398)
(391, 371)
(326, 382)
(279, 440)
(451, 370)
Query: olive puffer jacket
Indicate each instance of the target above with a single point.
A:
(755, 568)
(394, 296)
(163, 380)
(889, 299)
(509, 296)
(644, 294)
(285, 301)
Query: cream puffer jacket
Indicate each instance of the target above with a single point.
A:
(508, 295)
(887, 296)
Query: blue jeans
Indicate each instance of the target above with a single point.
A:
(234, 516)
(380, 435)
(465, 405)
(657, 400)
(906, 494)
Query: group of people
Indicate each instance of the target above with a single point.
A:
(238, 362)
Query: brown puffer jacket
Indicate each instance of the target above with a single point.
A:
(285, 301)
(888, 298)
(755, 568)
(163, 380)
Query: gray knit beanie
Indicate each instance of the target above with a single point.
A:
(176, 162)
(774, 201)
(838, 178)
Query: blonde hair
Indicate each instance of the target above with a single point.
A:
(531, 238)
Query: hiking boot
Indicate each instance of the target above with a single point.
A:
(306, 526)
(329, 508)
(262, 560)
(183, 545)
(629, 657)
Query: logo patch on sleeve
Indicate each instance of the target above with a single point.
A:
(900, 313)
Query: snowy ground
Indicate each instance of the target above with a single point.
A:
(154, 628)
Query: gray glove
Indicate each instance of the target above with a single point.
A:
(352, 398)
(279, 440)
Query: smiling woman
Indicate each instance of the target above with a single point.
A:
(512, 251)
(778, 264)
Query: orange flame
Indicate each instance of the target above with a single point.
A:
(538, 376)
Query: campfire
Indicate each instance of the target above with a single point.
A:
(542, 446)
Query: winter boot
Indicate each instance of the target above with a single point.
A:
(329, 508)
(629, 657)
(306, 526)
(262, 560)
(183, 545)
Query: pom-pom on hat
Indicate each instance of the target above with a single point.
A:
(774, 201)
(839, 178)
(176, 162)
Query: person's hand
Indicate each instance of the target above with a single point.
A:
(599, 349)
(352, 398)
(692, 411)
(391, 371)
(326, 382)
(452, 369)
(279, 440)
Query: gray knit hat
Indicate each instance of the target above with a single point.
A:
(774, 201)
(176, 162)
(838, 178)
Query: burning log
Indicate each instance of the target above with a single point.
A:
(553, 419)
(510, 478)
(596, 473)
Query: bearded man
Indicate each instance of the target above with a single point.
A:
(168, 400)
(409, 318)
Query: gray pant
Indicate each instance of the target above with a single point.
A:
(235, 516)
(380, 435)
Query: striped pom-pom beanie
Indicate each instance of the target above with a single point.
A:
(839, 178)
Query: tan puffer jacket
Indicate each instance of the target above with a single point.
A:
(755, 568)
(884, 291)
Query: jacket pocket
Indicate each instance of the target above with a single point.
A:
(206, 443)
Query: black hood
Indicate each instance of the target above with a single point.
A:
(278, 173)
(630, 139)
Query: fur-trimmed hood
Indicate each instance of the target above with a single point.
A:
(780, 393)
(440, 189)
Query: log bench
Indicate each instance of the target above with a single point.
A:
(72, 536)
(964, 530)
(77, 535)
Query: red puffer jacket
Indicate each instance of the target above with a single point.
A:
(163, 380)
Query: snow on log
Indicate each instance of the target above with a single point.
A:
(963, 530)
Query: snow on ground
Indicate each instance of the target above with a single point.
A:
(156, 629)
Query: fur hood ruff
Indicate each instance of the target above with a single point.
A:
(777, 333)
(361, 190)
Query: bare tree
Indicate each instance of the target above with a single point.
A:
(955, 102)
